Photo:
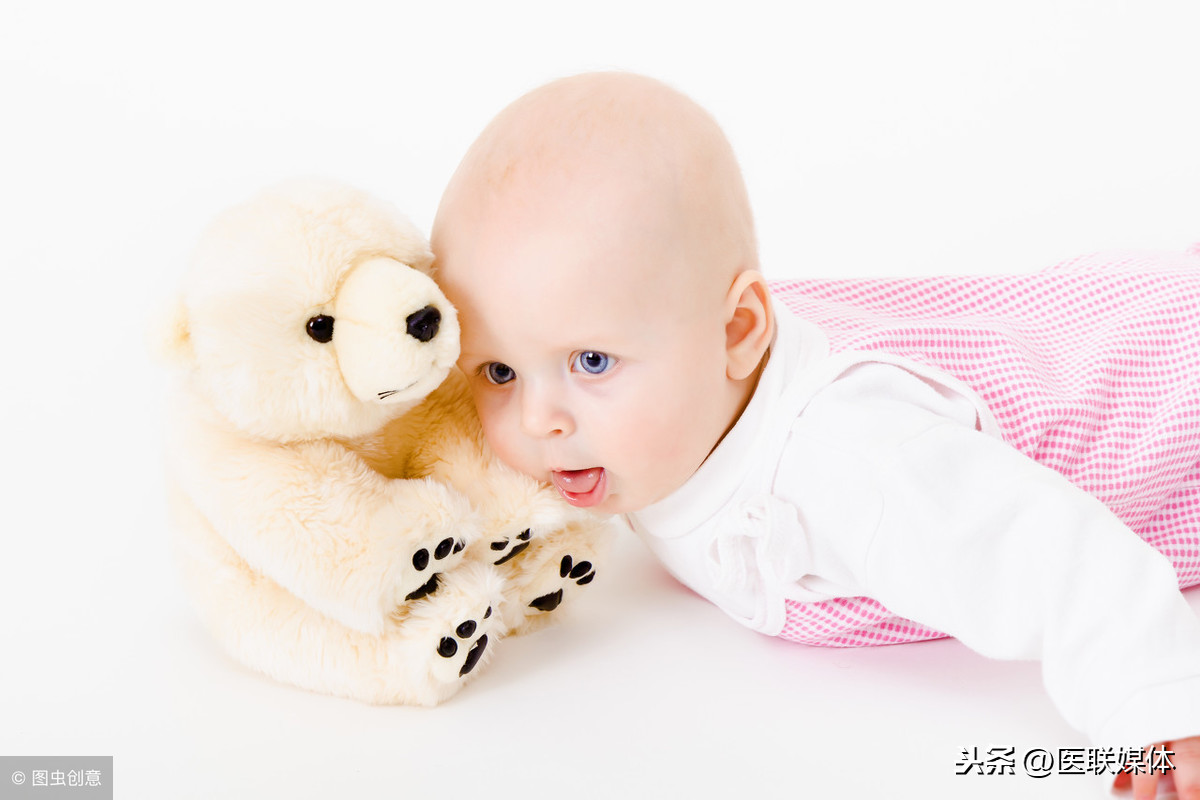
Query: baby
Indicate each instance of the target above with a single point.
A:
(811, 450)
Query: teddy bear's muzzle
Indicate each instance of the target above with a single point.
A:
(396, 334)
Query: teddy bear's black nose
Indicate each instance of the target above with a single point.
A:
(423, 324)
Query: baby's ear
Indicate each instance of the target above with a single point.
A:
(749, 324)
(169, 337)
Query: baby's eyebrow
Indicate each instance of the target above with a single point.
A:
(472, 357)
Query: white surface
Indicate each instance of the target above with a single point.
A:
(876, 138)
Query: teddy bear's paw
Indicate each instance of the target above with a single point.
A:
(450, 635)
(462, 647)
(507, 549)
(518, 515)
(426, 563)
(580, 573)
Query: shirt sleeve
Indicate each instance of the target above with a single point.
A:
(965, 534)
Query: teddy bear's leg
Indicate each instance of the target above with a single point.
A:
(443, 639)
(423, 655)
(555, 567)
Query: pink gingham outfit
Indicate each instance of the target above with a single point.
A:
(1105, 394)
(895, 388)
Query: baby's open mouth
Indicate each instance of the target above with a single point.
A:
(581, 487)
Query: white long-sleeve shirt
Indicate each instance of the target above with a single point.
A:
(861, 474)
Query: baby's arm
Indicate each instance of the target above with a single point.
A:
(976, 540)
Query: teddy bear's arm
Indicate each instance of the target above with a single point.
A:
(314, 518)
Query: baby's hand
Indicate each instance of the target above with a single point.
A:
(1186, 760)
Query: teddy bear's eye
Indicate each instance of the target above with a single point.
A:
(320, 328)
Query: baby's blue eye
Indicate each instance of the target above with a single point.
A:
(499, 373)
(593, 363)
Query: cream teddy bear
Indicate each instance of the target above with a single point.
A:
(342, 525)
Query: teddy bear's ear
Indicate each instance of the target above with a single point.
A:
(168, 337)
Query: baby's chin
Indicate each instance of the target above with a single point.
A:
(613, 504)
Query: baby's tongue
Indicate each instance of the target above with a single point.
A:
(577, 481)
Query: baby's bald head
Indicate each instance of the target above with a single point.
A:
(599, 247)
(610, 149)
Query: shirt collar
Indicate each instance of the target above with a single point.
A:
(744, 452)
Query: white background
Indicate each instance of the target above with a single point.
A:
(876, 137)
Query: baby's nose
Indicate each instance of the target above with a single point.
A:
(543, 415)
(423, 325)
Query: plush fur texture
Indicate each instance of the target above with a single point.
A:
(341, 523)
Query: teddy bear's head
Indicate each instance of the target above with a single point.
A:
(309, 312)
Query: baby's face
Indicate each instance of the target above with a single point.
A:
(594, 366)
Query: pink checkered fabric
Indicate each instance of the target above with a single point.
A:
(1091, 367)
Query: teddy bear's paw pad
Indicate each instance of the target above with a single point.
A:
(580, 573)
(514, 547)
(547, 602)
(450, 646)
(421, 562)
(429, 587)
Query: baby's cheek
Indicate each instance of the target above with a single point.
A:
(502, 437)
